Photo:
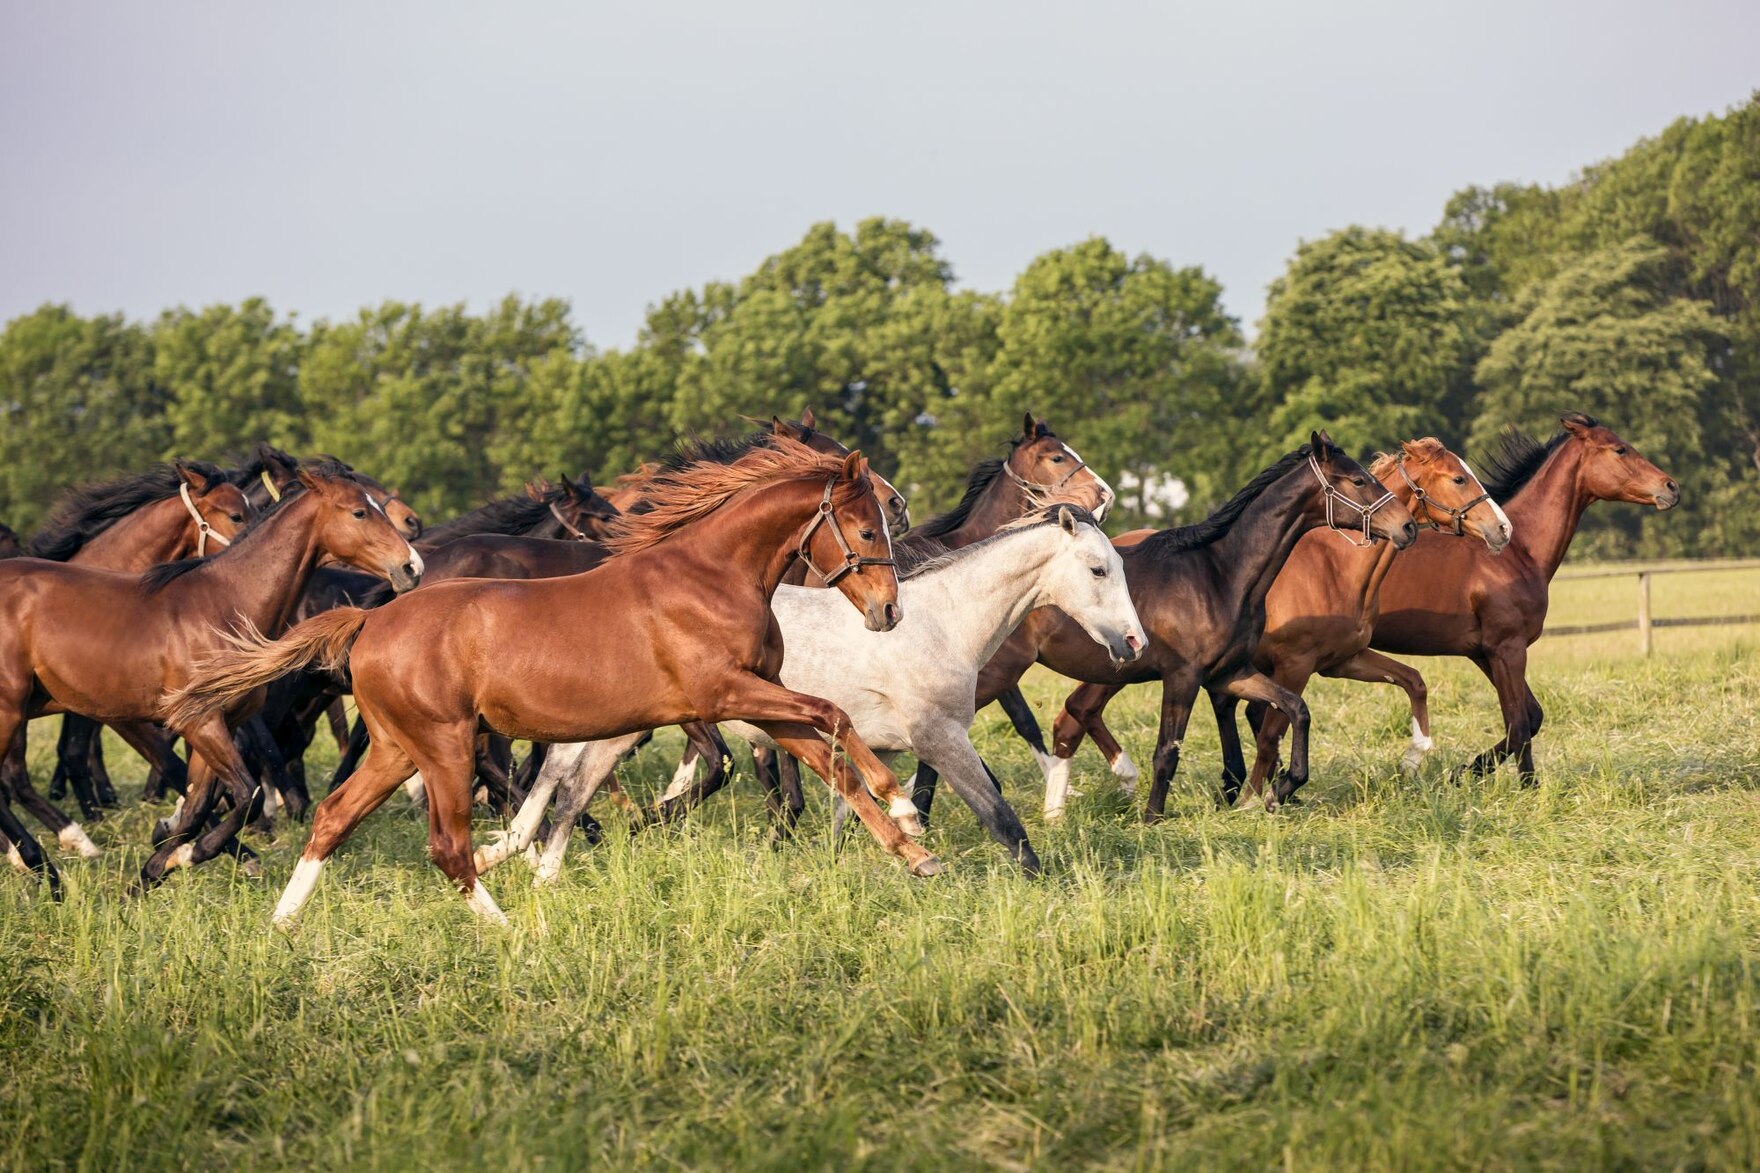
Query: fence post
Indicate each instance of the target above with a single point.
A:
(1644, 613)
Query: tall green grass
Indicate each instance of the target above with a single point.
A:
(1396, 974)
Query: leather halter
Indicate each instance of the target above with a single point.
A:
(825, 516)
(1335, 498)
(204, 531)
(1033, 488)
(566, 524)
(1433, 507)
(269, 484)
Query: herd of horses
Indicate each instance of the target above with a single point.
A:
(234, 608)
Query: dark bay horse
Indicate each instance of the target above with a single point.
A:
(1200, 591)
(676, 628)
(9, 543)
(1448, 598)
(570, 510)
(111, 645)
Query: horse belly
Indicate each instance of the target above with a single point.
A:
(598, 689)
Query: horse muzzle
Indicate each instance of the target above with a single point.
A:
(1125, 648)
(882, 616)
(1669, 497)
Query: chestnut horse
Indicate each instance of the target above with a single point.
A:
(1200, 591)
(1324, 602)
(111, 645)
(129, 524)
(1454, 599)
(677, 627)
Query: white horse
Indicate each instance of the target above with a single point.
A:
(908, 690)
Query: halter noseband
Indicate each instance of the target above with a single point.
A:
(1335, 498)
(566, 524)
(825, 516)
(1433, 507)
(1033, 488)
(204, 531)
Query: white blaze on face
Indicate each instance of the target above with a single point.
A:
(1496, 509)
(1107, 496)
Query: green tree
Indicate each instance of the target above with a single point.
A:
(1133, 360)
(1364, 335)
(231, 376)
(1606, 336)
(78, 401)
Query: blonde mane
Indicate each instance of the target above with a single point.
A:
(675, 498)
(1429, 447)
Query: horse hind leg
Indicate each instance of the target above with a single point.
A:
(447, 757)
(23, 852)
(15, 786)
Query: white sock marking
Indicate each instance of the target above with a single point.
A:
(681, 779)
(1126, 770)
(183, 857)
(16, 859)
(73, 837)
(484, 904)
(1057, 788)
(416, 789)
(298, 891)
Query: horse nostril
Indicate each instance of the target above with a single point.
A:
(1671, 486)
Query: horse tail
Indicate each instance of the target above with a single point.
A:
(253, 660)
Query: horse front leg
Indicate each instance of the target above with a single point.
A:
(1253, 685)
(1372, 667)
(1081, 709)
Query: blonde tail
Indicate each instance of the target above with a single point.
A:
(253, 660)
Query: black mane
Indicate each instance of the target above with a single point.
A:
(88, 510)
(265, 458)
(1515, 460)
(510, 515)
(1192, 537)
(983, 474)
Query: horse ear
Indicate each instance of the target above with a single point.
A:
(1027, 427)
(1576, 422)
(807, 420)
(305, 477)
(853, 466)
(777, 427)
(195, 478)
(1066, 517)
(585, 481)
(1041, 429)
(1318, 443)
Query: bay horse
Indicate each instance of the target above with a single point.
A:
(570, 510)
(677, 627)
(1200, 590)
(111, 645)
(9, 543)
(129, 524)
(1324, 603)
(910, 690)
(1448, 598)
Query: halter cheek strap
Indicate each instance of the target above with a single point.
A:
(827, 517)
(269, 484)
(1033, 488)
(1334, 498)
(204, 531)
(566, 524)
(1457, 516)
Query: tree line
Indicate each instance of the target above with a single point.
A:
(1631, 292)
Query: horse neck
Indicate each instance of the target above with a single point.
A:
(1259, 542)
(262, 578)
(1001, 502)
(152, 534)
(1545, 512)
(752, 539)
(1373, 564)
(980, 599)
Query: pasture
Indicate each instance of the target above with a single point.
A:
(1394, 973)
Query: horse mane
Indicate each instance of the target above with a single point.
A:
(261, 460)
(157, 578)
(691, 491)
(1192, 537)
(983, 474)
(86, 511)
(1385, 462)
(1516, 458)
(921, 563)
(507, 515)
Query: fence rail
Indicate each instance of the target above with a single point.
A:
(1645, 624)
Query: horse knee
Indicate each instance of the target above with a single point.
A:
(1066, 734)
(453, 856)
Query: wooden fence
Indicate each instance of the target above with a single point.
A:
(1646, 623)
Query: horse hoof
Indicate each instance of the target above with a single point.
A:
(925, 867)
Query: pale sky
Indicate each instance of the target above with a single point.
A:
(332, 155)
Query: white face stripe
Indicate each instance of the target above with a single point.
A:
(1496, 509)
(1107, 496)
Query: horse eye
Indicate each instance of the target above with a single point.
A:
(1358, 481)
(360, 513)
(1460, 480)
(1098, 571)
(236, 517)
(867, 535)
(1620, 451)
(1057, 460)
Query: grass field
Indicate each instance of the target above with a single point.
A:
(1396, 974)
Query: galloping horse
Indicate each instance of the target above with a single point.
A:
(9, 544)
(111, 645)
(677, 627)
(129, 524)
(1200, 590)
(571, 510)
(1454, 599)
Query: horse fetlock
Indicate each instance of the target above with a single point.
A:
(904, 813)
(73, 837)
